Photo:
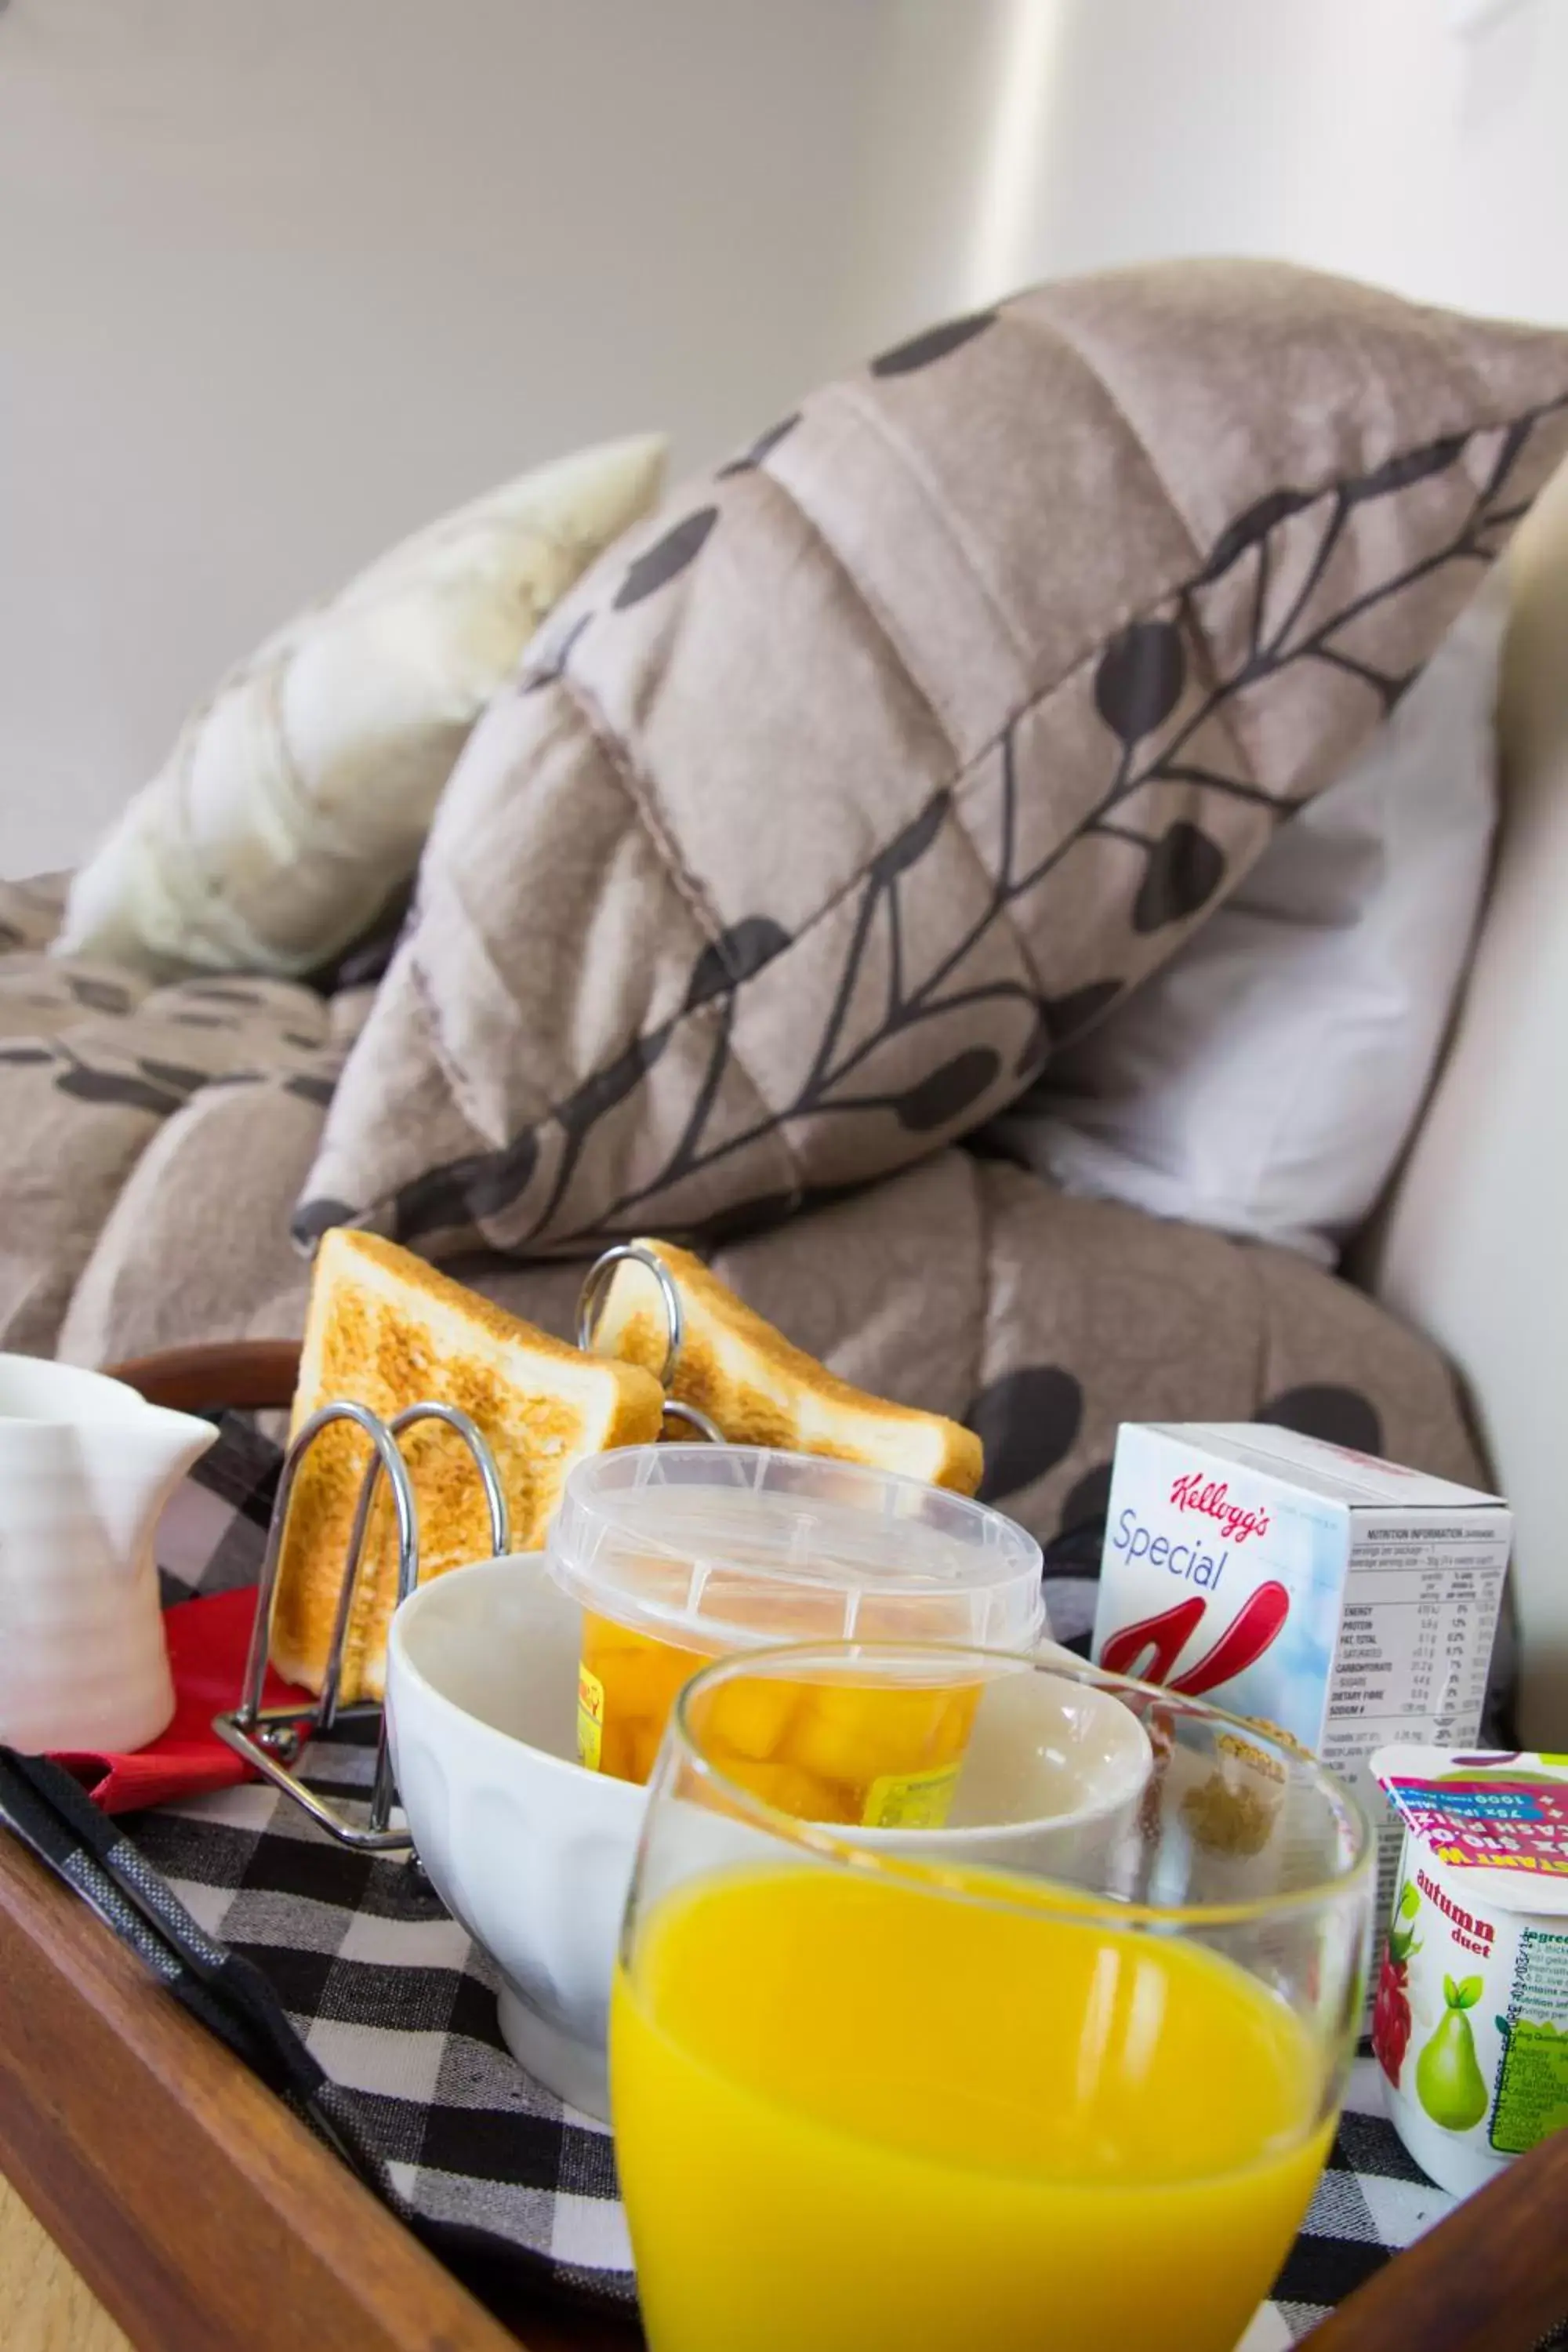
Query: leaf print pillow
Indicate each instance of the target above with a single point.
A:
(835, 800)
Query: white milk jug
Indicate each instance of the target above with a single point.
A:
(86, 1466)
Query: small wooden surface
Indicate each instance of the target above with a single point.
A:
(44, 2306)
(242, 1374)
(1492, 2277)
(194, 2206)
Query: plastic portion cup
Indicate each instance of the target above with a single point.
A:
(680, 1554)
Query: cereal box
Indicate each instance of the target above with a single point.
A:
(1348, 1600)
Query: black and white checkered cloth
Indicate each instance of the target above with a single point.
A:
(341, 1979)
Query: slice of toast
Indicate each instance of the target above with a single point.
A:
(761, 1390)
(387, 1330)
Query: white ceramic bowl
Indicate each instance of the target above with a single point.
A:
(534, 1854)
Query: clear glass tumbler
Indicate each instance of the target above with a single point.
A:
(1060, 2072)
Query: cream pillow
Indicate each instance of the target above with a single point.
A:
(296, 801)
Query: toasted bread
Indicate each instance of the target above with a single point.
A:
(761, 1390)
(387, 1330)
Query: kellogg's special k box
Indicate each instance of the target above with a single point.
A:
(1350, 1602)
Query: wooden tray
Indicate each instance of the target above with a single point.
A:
(202, 2214)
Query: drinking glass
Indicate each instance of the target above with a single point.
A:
(1059, 2070)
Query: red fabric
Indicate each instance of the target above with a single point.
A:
(208, 1640)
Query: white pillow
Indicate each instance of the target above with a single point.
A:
(296, 801)
(1265, 1079)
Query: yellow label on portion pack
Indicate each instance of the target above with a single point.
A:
(590, 1719)
(909, 1800)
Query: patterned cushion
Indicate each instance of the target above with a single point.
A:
(97, 1071)
(831, 803)
(975, 1289)
(152, 1141)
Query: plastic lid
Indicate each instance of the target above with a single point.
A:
(726, 1547)
(1498, 1815)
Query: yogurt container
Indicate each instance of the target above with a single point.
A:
(678, 1554)
(1471, 2023)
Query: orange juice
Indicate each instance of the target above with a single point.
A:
(825, 1752)
(852, 2115)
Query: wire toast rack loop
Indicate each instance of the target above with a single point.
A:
(591, 1299)
(272, 1738)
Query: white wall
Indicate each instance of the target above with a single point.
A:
(1025, 139)
(1367, 136)
(282, 278)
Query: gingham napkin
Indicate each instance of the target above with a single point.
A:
(396, 2054)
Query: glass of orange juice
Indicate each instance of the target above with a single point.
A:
(1060, 2072)
(678, 1554)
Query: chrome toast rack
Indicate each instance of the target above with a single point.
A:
(591, 1297)
(272, 1740)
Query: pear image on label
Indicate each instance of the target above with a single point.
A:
(1448, 2081)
